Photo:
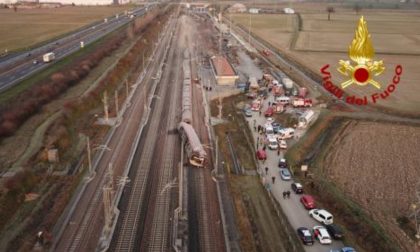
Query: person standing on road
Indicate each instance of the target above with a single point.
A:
(288, 194)
(284, 194)
(274, 179)
(266, 170)
(278, 150)
(260, 112)
(255, 122)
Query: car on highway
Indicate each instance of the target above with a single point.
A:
(335, 231)
(285, 174)
(307, 201)
(322, 216)
(297, 188)
(282, 163)
(344, 249)
(35, 62)
(321, 234)
(261, 155)
(248, 112)
(305, 236)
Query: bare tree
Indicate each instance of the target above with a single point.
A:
(330, 10)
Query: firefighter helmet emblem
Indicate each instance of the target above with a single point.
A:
(361, 52)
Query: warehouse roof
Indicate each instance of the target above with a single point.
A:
(222, 66)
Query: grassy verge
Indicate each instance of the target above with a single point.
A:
(261, 226)
(361, 231)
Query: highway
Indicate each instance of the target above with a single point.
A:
(19, 67)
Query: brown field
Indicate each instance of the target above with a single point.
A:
(378, 166)
(395, 35)
(27, 27)
(364, 153)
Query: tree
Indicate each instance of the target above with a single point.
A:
(330, 10)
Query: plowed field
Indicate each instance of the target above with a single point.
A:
(378, 166)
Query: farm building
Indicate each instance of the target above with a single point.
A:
(223, 71)
(237, 8)
(254, 10)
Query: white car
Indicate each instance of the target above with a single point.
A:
(269, 131)
(286, 133)
(283, 144)
(270, 120)
(322, 216)
(321, 234)
(272, 143)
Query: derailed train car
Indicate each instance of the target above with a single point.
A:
(186, 93)
(196, 154)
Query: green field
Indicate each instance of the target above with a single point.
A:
(27, 27)
(317, 42)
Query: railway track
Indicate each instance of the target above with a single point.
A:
(83, 237)
(145, 207)
(204, 191)
(158, 236)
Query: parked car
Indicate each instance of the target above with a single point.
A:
(344, 249)
(285, 174)
(297, 188)
(283, 144)
(307, 201)
(305, 235)
(321, 234)
(261, 155)
(269, 120)
(334, 231)
(272, 143)
(248, 112)
(322, 216)
(276, 127)
(251, 95)
(282, 163)
(269, 112)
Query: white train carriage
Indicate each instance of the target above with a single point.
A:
(196, 154)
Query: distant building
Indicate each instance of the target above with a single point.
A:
(254, 10)
(80, 2)
(289, 11)
(223, 71)
(237, 8)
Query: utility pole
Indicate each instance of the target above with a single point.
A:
(126, 89)
(116, 104)
(108, 198)
(89, 156)
(105, 101)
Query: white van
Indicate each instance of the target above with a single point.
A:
(284, 100)
(286, 133)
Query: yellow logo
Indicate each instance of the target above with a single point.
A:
(361, 52)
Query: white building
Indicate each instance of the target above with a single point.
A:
(254, 10)
(237, 8)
